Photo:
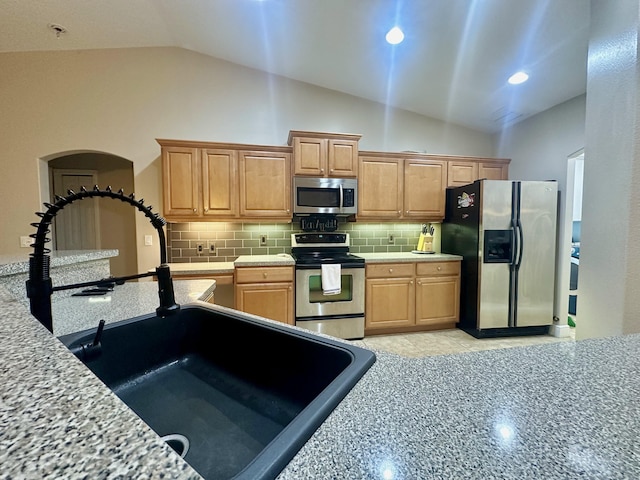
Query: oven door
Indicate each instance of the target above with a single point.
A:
(311, 302)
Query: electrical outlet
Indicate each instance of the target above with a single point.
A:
(391, 238)
(200, 248)
(25, 242)
(148, 240)
(212, 248)
(263, 240)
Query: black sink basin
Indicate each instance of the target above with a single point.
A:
(247, 394)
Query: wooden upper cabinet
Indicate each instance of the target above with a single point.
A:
(380, 187)
(265, 184)
(467, 170)
(424, 185)
(220, 182)
(461, 173)
(493, 171)
(396, 188)
(324, 154)
(181, 181)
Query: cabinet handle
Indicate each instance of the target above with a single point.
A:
(439, 268)
(411, 283)
(407, 211)
(206, 209)
(391, 270)
(322, 170)
(399, 212)
(264, 274)
(331, 170)
(195, 210)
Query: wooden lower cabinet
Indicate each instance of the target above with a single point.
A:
(409, 297)
(223, 293)
(266, 291)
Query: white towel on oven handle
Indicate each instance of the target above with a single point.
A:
(331, 278)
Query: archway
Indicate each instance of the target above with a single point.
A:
(115, 221)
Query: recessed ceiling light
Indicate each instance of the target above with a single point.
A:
(518, 78)
(394, 36)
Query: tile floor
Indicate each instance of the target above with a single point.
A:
(443, 342)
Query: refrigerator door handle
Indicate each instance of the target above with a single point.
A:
(514, 243)
(520, 244)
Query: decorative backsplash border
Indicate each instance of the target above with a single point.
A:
(234, 239)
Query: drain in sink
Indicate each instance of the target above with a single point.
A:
(179, 443)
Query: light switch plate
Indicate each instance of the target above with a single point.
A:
(148, 240)
(25, 242)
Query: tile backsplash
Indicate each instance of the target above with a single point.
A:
(231, 240)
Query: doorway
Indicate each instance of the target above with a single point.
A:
(77, 228)
(575, 173)
(96, 223)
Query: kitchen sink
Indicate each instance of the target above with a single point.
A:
(245, 393)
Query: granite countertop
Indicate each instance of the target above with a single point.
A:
(391, 257)
(281, 259)
(73, 314)
(201, 268)
(557, 411)
(12, 264)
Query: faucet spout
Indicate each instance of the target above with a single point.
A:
(39, 285)
(168, 305)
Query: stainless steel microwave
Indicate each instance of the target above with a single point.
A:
(336, 196)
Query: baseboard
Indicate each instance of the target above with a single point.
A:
(560, 331)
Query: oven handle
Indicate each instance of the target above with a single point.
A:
(317, 266)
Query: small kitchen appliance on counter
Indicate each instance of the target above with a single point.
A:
(506, 233)
(337, 311)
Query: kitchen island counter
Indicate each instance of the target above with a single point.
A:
(556, 411)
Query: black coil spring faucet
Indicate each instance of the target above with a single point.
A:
(39, 285)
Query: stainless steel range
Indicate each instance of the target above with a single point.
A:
(337, 311)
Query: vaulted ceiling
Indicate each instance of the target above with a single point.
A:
(453, 64)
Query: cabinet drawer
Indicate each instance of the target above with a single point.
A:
(264, 274)
(388, 270)
(437, 268)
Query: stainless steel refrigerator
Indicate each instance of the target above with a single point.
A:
(506, 234)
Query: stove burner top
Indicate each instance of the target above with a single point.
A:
(318, 257)
(313, 249)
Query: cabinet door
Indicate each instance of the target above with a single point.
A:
(461, 173)
(424, 188)
(437, 300)
(219, 182)
(492, 171)
(390, 302)
(309, 156)
(380, 188)
(343, 158)
(269, 300)
(265, 184)
(180, 181)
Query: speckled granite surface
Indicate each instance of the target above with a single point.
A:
(132, 299)
(399, 257)
(201, 268)
(561, 411)
(281, 259)
(11, 264)
(70, 266)
(58, 421)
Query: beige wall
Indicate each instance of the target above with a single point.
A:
(119, 101)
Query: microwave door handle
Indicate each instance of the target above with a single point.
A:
(341, 197)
